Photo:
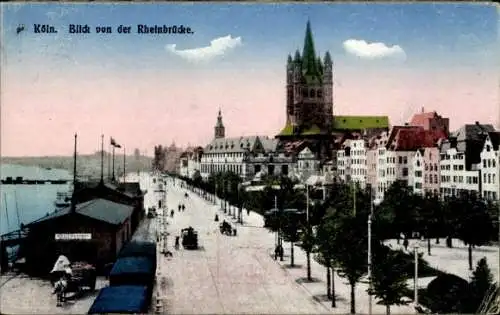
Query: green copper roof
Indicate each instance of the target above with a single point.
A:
(308, 54)
(288, 131)
(360, 122)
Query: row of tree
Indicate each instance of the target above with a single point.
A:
(336, 228)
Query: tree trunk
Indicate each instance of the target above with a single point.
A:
(353, 298)
(292, 262)
(388, 309)
(328, 283)
(308, 255)
(334, 301)
(437, 240)
(429, 246)
(470, 256)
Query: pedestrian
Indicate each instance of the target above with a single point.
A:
(405, 243)
(248, 211)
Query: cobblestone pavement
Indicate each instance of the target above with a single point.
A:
(228, 274)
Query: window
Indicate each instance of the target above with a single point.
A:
(489, 178)
(484, 178)
(312, 93)
(405, 171)
(400, 160)
(320, 93)
(435, 179)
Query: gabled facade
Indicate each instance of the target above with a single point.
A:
(490, 167)
(190, 162)
(460, 160)
(307, 164)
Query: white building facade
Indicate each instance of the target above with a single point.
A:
(490, 167)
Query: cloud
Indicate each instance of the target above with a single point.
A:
(365, 50)
(218, 47)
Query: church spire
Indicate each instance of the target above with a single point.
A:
(219, 126)
(308, 54)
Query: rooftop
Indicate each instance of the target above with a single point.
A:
(99, 209)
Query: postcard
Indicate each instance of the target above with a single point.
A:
(256, 158)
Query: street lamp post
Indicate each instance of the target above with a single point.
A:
(370, 282)
(415, 284)
(309, 232)
(370, 263)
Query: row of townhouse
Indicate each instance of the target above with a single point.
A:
(430, 161)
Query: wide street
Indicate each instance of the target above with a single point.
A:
(227, 274)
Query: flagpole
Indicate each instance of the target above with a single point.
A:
(113, 165)
(109, 162)
(124, 175)
(102, 159)
(73, 197)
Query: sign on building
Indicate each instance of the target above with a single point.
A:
(73, 237)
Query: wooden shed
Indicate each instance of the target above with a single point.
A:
(92, 231)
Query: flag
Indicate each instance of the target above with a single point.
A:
(113, 143)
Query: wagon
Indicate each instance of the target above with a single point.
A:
(125, 299)
(133, 271)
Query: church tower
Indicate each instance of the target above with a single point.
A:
(219, 129)
(309, 86)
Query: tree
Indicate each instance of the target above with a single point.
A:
(325, 246)
(388, 277)
(475, 225)
(399, 206)
(308, 240)
(290, 228)
(351, 252)
(482, 279)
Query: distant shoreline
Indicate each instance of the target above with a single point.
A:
(87, 165)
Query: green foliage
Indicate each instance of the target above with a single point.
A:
(448, 294)
(482, 279)
(389, 275)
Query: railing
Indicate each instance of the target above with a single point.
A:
(491, 301)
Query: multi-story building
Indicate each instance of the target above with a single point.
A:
(190, 162)
(307, 164)
(245, 156)
(490, 167)
(460, 160)
(351, 161)
(426, 177)
(272, 161)
(404, 142)
(431, 121)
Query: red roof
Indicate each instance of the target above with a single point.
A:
(411, 140)
(422, 118)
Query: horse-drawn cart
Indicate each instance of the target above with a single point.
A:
(72, 277)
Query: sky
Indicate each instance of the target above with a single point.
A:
(148, 89)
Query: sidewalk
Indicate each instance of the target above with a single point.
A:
(317, 288)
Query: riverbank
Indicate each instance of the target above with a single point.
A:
(87, 165)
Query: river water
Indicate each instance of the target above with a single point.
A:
(25, 203)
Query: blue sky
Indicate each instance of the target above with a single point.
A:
(389, 59)
(429, 33)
